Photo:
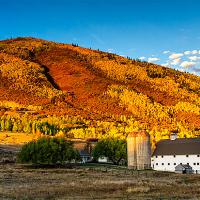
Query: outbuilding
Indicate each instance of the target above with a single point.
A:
(183, 169)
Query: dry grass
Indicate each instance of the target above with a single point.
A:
(90, 182)
(19, 182)
(15, 138)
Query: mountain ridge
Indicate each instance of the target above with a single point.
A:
(67, 79)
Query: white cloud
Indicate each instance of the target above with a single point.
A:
(175, 61)
(110, 50)
(166, 52)
(193, 72)
(194, 58)
(199, 51)
(165, 64)
(182, 70)
(187, 52)
(192, 52)
(175, 55)
(142, 58)
(153, 59)
(187, 64)
(195, 52)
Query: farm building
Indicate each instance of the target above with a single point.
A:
(85, 148)
(177, 155)
(139, 150)
(183, 169)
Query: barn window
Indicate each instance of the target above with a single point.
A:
(174, 156)
(194, 163)
(174, 163)
(187, 155)
(187, 163)
(162, 163)
(156, 163)
(162, 156)
(197, 155)
(168, 163)
(197, 163)
(156, 156)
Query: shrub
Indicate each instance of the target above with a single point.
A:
(112, 148)
(48, 151)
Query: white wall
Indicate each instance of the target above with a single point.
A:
(103, 160)
(166, 163)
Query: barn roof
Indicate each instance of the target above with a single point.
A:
(182, 146)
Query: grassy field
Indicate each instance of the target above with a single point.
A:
(91, 181)
(94, 182)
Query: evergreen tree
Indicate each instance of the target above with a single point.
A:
(8, 124)
(2, 126)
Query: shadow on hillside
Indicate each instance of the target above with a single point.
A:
(50, 78)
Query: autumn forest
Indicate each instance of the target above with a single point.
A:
(61, 89)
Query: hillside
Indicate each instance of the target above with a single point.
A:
(111, 95)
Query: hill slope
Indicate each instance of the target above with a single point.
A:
(61, 79)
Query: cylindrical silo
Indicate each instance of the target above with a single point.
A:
(143, 149)
(131, 150)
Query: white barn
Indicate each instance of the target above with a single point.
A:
(173, 152)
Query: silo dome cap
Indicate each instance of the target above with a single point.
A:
(133, 134)
(142, 133)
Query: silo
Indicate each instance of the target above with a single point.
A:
(143, 149)
(131, 150)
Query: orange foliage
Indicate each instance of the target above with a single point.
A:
(62, 79)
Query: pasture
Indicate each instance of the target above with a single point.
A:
(94, 182)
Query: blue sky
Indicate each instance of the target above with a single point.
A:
(135, 28)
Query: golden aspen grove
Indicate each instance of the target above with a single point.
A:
(61, 89)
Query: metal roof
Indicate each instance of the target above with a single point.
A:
(182, 146)
(181, 166)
